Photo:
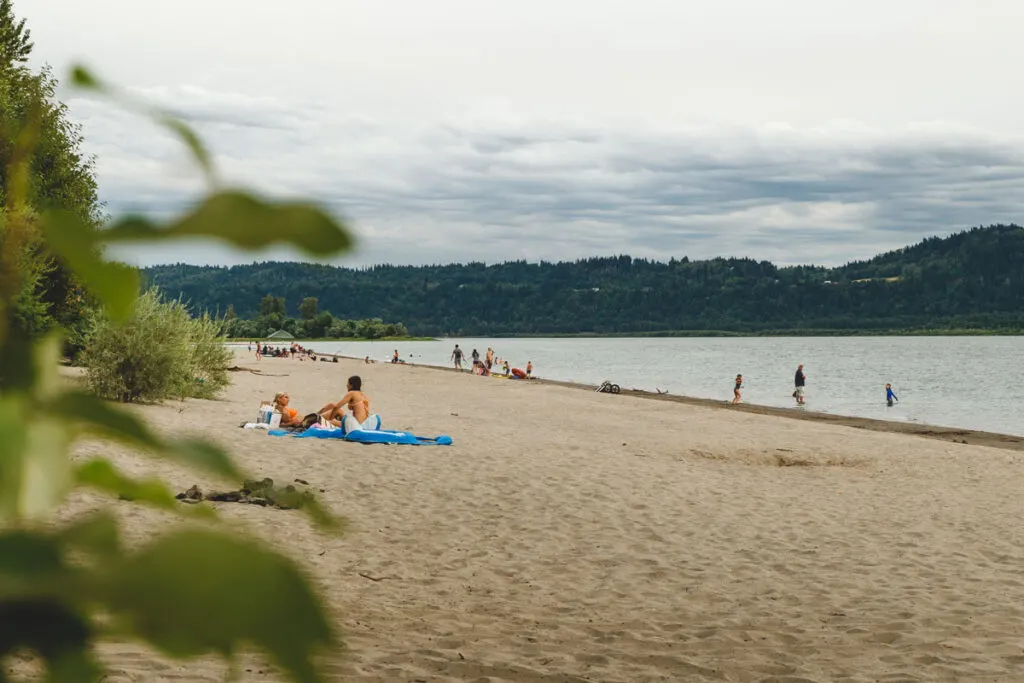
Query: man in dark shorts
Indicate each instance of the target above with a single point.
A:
(799, 380)
(457, 358)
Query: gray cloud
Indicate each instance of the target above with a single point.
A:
(478, 188)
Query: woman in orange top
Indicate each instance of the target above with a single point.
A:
(289, 416)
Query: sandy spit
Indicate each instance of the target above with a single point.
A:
(573, 536)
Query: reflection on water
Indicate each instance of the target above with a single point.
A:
(970, 382)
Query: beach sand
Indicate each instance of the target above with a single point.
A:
(574, 536)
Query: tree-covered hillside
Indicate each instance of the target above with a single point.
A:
(973, 279)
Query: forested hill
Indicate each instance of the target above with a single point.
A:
(974, 279)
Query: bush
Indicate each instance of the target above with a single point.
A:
(159, 352)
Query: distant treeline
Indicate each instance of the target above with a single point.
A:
(970, 281)
(312, 323)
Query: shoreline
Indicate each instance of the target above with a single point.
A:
(958, 435)
(683, 334)
(789, 332)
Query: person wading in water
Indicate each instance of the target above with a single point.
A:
(799, 381)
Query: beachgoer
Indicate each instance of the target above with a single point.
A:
(489, 358)
(529, 368)
(356, 401)
(505, 367)
(736, 396)
(457, 358)
(259, 352)
(889, 395)
(476, 357)
(289, 416)
(394, 358)
(799, 380)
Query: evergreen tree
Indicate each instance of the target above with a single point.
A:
(308, 308)
(60, 176)
(15, 43)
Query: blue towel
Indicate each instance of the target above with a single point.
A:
(367, 436)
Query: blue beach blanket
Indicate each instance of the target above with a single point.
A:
(367, 436)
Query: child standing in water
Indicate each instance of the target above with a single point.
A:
(736, 397)
(889, 396)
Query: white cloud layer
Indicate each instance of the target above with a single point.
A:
(454, 131)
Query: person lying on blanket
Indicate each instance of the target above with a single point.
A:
(359, 405)
(289, 416)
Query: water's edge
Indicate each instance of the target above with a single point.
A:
(949, 434)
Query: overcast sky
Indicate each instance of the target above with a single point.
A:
(801, 131)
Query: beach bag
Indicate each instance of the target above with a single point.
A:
(265, 413)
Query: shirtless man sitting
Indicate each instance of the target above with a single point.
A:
(358, 404)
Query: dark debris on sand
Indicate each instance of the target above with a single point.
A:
(254, 492)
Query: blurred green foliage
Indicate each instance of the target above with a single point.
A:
(189, 592)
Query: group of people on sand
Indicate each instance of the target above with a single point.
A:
(799, 383)
(486, 365)
(292, 351)
(332, 415)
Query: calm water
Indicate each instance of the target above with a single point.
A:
(971, 382)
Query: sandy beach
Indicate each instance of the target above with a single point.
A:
(574, 536)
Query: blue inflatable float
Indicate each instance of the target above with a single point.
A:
(367, 436)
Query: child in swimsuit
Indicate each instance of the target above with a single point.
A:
(736, 397)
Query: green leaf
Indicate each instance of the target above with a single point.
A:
(116, 284)
(75, 665)
(83, 78)
(203, 455)
(191, 140)
(35, 472)
(101, 475)
(302, 500)
(245, 221)
(198, 592)
(27, 553)
(61, 636)
(96, 534)
(13, 439)
(103, 419)
(46, 468)
(15, 372)
(46, 358)
(32, 567)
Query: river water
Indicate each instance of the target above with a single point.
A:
(969, 382)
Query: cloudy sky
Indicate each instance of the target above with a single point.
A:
(801, 131)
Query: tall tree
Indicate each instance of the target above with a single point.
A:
(15, 39)
(309, 308)
(271, 304)
(60, 175)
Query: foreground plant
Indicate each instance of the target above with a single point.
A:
(190, 592)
